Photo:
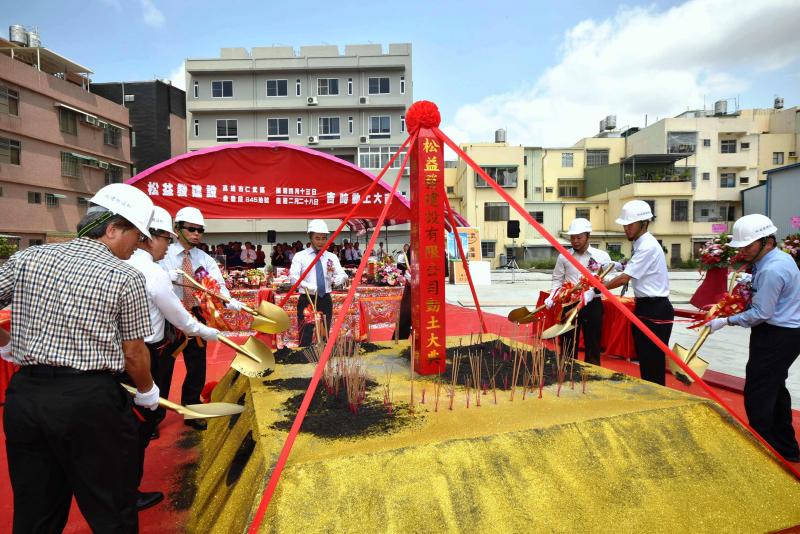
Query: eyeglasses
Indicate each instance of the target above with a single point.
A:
(166, 237)
(194, 229)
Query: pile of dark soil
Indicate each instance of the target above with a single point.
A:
(287, 356)
(185, 489)
(366, 346)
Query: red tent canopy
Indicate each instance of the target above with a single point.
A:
(269, 181)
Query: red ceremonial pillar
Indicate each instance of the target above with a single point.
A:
(427, 254)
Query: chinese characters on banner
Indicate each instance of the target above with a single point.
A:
(427, 254)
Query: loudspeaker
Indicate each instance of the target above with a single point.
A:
(272, 236)
(512, 229)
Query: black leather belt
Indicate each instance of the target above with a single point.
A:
(51, 371)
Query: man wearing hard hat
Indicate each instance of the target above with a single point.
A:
(319, 282)
(647, 269)
(186, 256)
(774, 321)
(590, 318)
(80, 317)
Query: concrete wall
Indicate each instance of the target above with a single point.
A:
(782, 204)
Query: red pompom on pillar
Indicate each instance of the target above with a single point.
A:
(422, 114)
(711, 289)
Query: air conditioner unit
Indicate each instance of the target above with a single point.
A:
(313, 139)
(312, 101)
(792, 154)
(363, 100)
(90, 119)
(102, 164)
(364, 140)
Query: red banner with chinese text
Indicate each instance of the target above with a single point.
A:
(427, 254)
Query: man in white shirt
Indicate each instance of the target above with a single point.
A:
(185, 255)
(319, 281)
(590, 318)
(162, 304)
(647, 269)
(248, 256)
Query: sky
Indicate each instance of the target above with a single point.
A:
(547, 72)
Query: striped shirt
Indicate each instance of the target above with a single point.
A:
(72, 305)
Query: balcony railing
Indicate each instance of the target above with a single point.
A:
(652, 178)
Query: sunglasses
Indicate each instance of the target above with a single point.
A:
(194, 229)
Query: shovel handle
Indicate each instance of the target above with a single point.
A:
(164, 403)
(221, 297)
(238, 348)
(704, 333)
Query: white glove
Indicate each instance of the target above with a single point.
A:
(174, 275)
(718, 323)
(549, 302)
(208, 333)
(234, 305)
(5, 352)
(148, 399)
(588, 296)
(744, 278)
(618, 266)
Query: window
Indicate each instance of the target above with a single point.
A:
(380, 127)
(9, 101)
(35, 242)
(537, 189)
(9, 151)
(329, 127)
(703, 212)
(111, 135)
(402, 85)
(504, 176)
(68, 121)
(570, 188)
(379, 86)
(70, 165)
(113, 175)
(538, 216)
(376, 157)
(197, 127)
(548, 189)
(227, 130)
(277, 87)
(34, 197)
(488, 249)
(680, 210)
(727, 146)
(299, 126)
(129, 98)
(652, 204)
(83, 202)
(582, 213)
(596, 158)
(706, 176)
(727, 179)
(681, 142)
(350, 125)
(727, 213)
(777, 158)
(278, 129)
(327, 86)
(50, 200)
(402, 123)
(495, 211)
(706, 142)
(195, 92)
(745, 146)
(744, 180)
(567, 159)
(298, 88)
(451, 189)
(350, 86)
(525, 188)
(222, 89)
(133, 139)
(614, 249)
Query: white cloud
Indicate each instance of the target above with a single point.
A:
(641, 61)
(178, 76)
(152, 15)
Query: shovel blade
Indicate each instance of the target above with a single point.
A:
(519, 315)
(211, 409)
(248, 367)
(256, 347)
(696, 364)
(270, 319)
(557, 330)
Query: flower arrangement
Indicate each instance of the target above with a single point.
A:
(244, 279)
(718, 254)
(732, 303)
(791, 245)
(386, 274)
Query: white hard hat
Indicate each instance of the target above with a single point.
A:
(751, 228)
(128, 202)
(579, 226)
(635, 210)
(190, 215)
(317, 226)
(162, 221)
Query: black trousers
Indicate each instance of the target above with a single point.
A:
(652, 360)
(324, 305)
(767, 402)
(590, 323)
(71, 434)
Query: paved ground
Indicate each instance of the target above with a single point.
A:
(726, 350)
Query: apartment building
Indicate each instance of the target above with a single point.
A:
(59, 143)
(350, 104)
(158, 119)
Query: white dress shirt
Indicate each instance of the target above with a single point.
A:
(173, 259)
(564, 271)
(648, 268)
(248, 256)
(162, 303)
(331, 268)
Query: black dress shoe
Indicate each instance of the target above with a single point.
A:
(197, 424)
(155, 434)
(146, 499)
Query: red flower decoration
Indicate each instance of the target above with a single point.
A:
(205, 395)
(422, 114)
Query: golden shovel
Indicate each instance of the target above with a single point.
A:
(253, 359)
(523, 315)
(569, 324)
(269, 318)
(196, 411)
(690, 358)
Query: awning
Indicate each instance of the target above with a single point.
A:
(76, 110)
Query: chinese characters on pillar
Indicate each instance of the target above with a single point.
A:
(427, 256)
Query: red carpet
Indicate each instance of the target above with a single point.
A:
(166, 455)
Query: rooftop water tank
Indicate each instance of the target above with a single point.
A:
(500, 135)
(33, 38)
(18, 35)
(721, 107)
